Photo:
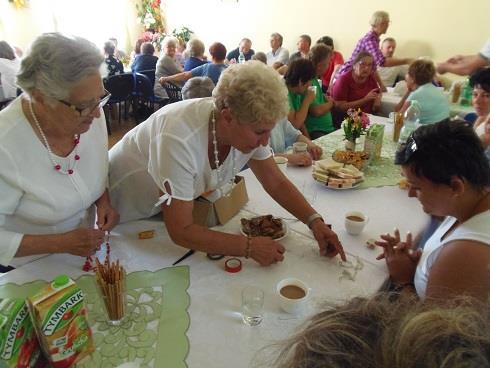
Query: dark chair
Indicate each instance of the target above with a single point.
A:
(174, 92)
(144, 98)
(150, 73)
(121, 88)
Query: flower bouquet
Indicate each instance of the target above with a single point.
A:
(354, 125)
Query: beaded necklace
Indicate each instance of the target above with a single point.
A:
(57, 166)
(229, 186)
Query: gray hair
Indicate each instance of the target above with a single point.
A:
(254, 93)
(195, 47)
(379, 17)
(169, 39)
(278, 36)
(56, 63)
(6, 51)
(198, 87)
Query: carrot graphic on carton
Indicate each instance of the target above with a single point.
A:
(59, 316)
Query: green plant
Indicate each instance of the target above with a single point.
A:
(183, 34)
(150, 15)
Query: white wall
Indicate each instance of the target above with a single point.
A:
(434, 28)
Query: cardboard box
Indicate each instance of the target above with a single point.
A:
(210, 214)
(18, 342)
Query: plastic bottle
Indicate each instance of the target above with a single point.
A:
(411, 120)
(466, 93)
(241, 58)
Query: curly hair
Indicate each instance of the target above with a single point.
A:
(382, 333)
(254, 93)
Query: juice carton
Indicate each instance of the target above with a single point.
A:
(18, 342)
(60, 318)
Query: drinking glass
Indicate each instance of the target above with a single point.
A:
(252, 305)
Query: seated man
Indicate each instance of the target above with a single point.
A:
(278, 53)
(284, 135)
(390, 74)
(245, 47)
(434, 106)
(335, 63)
(303, 44)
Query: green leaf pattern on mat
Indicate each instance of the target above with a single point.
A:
(380, 172)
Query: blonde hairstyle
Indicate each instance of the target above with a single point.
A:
(254, 93)
(379, 17)
(382, 333)
(195, 47)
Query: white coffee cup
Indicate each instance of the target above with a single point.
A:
(300, 147)
(282, 163)
(355, 222)
(293, 299)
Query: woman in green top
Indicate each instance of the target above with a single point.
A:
(309, 109)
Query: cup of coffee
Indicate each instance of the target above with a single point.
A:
(282, 163)
(293, 295)
(300, 147)
(355, 222)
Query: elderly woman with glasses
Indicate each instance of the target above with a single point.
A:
(53, 153)
(194, 148)
(447, 171)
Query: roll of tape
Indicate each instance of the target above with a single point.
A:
(233, 265)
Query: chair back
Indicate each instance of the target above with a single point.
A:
(120, 86)
(174, 92)
(150, 73)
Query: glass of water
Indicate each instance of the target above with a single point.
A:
(252, 305)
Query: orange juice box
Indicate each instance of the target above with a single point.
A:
(60, 318)
(18, 342)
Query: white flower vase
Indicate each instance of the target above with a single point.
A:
(350, 145)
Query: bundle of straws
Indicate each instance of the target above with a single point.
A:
(110, 279)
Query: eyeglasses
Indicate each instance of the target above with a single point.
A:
(85, 111)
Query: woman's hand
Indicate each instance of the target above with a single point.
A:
(266, 251)
(310, 95)
(327, 240)
(372, 94)
(299, 159)
(315, 151)
(400, 257)
(162, 80)
(82, 242)
(107, 216)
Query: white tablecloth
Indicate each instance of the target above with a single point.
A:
(217, 336)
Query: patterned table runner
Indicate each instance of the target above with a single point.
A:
(156, 323)
(380, 172)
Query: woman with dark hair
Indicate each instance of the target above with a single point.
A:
(212, 70)
(298, 80)
(447, 171)
(357, 88)
(480, 81)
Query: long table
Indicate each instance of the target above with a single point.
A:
(217, 336)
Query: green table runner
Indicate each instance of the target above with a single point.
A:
(378, 173)
(156, 323)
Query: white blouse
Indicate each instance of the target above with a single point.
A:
(170, 147)
(35, 198)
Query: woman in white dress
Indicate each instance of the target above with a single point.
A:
(447, 171)
(53, 153)
(196, 147)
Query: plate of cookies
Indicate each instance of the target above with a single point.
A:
(266, 225)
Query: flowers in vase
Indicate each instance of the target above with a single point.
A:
(355, 124)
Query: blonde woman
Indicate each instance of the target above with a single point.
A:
(195, 148)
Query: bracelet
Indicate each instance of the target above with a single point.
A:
(400, 287)
(248, 250)
(312, 218)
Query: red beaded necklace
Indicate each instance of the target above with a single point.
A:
(56, 165)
